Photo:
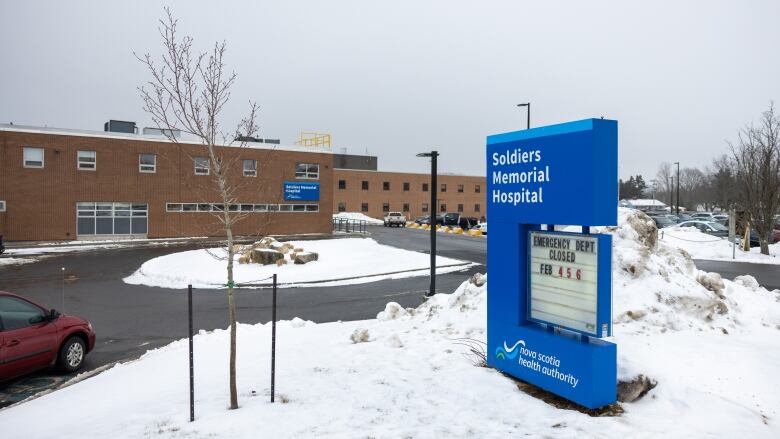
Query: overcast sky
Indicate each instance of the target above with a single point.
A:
(396, 78)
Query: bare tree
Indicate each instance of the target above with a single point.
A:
(721, 184)
(188, 91)
(757, 166)
(664, 183)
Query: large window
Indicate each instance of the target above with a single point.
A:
(17, 313)
(147, 163)
(112, 218)
(86, 160)
(250, 168)
(309, 171)
(201, 165)
(342, 184)
(33, 157)
(406, 207)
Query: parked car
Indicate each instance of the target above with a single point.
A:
(458, 220)
(703, 216)
(33, 337)
(663, 221)
(709, 227)
(720, 216)
(682, 217)
(395, 219)
(482, 227)
(427, 219)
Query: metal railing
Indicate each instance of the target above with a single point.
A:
(349, 225)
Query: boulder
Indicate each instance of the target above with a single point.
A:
(244, 259)
(280, 262)
(305, 257)
(265, 256)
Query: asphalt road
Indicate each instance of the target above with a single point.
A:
(768, 275)
(130, 319)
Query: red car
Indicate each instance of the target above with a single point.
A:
(32, 338)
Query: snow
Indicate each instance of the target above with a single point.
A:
(357, 216)
(341, 262)
(703, 246)
(711, 344)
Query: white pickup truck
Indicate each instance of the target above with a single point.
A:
(395, 219)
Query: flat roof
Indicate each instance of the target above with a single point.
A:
(149, 138)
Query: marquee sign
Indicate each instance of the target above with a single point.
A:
(565, 282)
(550, 293)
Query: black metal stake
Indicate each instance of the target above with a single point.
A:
(273, 343)
(192, 359)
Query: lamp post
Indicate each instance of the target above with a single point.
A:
(528, 114)
(678, 187)
(433, 155)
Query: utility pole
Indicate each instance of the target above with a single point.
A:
(678, 187)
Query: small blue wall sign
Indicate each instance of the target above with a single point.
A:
(550, 292)
(301, 191)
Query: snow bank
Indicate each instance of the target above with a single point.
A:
(341, 262)
(358, 217)
(703, 246)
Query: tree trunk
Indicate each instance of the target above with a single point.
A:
(764, 245)
(232, 318)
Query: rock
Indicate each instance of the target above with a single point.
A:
(645, 227)
(281, 262)
(632, 390)
(244, 259)
(298, 250)
(306, 257)
(265, 256)
(360, 336)
(394, 341)
(392, 311)
(478, 279)
(712, 282)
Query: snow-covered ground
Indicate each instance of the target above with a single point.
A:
(703, 246)
(341, 262)
(712, 345)
(358, 217)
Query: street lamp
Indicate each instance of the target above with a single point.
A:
(528, 114)
(432, 221)
(678, 187)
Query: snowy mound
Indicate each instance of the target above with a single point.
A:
(657, 287)
(703, 246)
(357, 216)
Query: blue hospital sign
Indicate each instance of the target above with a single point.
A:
(301, 191)
(550, 292)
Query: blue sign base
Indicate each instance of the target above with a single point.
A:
(580, 369)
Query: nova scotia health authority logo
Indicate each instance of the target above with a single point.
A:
(504, 352)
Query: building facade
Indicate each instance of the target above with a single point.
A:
(375, 193)
(67, 184)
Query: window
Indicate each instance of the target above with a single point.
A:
(114, 218)
(386, 186)
(460, 208)
(86, 160)
(147, 163)
(364, 207)
(477, 189)
(442, 207)
(425, 187)
(299, 207)
(364, 185)
(406, 186)
(2, 205)
(173, 207)
(204, 207)
(285, 208)
(250, 168)
(261, 208)
(342, 207)
(309, 171)
(247, 208)
(406, 207)
(33, 157)
(201, 165)
(444, 187)
(342, 184)
(312, 207)
(17, 313)
(460, 188)
(189, 207)
(425, 207)
(385, 207)
(476, 207)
